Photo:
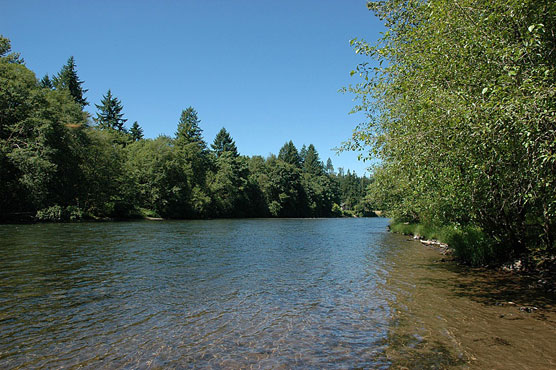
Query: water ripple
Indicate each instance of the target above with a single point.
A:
(221, 294)
(280, 294)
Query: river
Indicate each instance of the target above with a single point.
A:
(265, 293)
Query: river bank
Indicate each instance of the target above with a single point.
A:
(458, 316)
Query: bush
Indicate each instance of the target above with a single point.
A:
(469, 244)
(51, 214)
(57, 214)
(74, 213)
(472, 246)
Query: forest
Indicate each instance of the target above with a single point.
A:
(57, 163)
(461, 114)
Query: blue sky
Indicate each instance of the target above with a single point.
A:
(268, 71)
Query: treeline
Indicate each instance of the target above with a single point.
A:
(463, 117)
(58, 164)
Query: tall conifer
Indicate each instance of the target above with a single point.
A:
(110, 113)
(223, 142)
(136, 132)
(289, 154)
(189, 130)
(67, 79)
(312, 163)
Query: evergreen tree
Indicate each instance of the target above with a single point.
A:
(110, 113)
(189, 130)
(193, 150)
(303, 153)
(312, 163)
(289, 154)
(68, 79)
(136, 132)
(329, 167)
(46, 82)
(223, 143)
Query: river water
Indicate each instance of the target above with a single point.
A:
(267, 293)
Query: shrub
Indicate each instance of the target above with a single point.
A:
(51, 214)
(470, 244)
(56, 213)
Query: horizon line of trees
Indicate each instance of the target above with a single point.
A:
(57, 164)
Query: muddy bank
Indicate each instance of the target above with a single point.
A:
(448, 315)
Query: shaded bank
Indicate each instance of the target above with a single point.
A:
(446, 315)
(471, 246)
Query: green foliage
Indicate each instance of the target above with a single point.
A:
(228, 186)
(40, 134)
(6, 56)
(469, 244)
(303, 154)
(311, 162)
(58, 214)
(329, 167)
(157, 171)
(474, 246)
(462, 116)
(223, 142)
(289, 154)
(192, 149)
(53, 165)
(189, 131)
(284, 191)
(67, 79)
(46, 82)
(110, 190)
(109, 115)
(136, 132)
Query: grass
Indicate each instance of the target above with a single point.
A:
(469, 244)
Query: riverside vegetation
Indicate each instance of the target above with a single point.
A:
(58, 163)
(460, 100)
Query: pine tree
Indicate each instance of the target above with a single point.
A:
(289, 154)
(223, 142)
(312, 163)
(67, 79)
(303, 153)
(136, 132)
(46, 82)
(329, 167)
(189, 130)
(110, 114)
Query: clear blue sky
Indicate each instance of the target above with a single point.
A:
(268, 71)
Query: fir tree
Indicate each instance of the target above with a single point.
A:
(46, 82)
(312, 163)
(303, 153)
(329, 167)
(289, 154)
(223, 142)
(68, 79)
(189, 130)
(110, 114)
(136, 132)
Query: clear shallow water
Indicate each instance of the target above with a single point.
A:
(328, 293)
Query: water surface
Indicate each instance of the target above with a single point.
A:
(327, 293)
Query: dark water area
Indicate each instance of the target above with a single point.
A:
(276, 293)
